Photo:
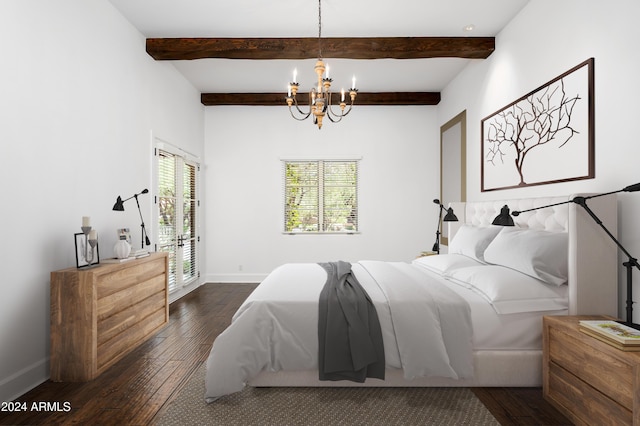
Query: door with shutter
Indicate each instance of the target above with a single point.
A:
(177, 207)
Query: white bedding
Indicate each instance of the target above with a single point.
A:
(276, 327)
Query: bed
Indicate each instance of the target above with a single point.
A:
(555, 261)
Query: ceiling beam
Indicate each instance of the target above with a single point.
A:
(278, 99)
(307, 48)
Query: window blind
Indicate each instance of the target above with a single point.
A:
(167, 231)
(321, 196)
(189, 237)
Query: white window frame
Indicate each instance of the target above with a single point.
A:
(187, 286)
(320, 190)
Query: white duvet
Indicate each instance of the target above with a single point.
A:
(426, 327)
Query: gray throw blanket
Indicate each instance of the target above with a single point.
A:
(350, 343)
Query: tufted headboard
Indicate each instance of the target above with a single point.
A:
(593, 256)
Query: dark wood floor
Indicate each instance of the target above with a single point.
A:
(136, 390)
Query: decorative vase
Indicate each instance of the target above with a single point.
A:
(122, 249)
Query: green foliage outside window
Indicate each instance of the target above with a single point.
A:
(321, 196)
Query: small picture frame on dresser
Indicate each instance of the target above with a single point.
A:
(82, 253)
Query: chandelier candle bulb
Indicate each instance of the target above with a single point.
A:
(295, 75)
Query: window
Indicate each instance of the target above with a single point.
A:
(321, 196)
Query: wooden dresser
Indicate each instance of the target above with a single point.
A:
(589, 381)
(100, 314)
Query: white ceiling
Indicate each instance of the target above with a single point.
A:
(299, 18)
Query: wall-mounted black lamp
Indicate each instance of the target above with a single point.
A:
(504, 218)
(449, 217)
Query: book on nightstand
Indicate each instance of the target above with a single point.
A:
(613, 333)
(427, 253)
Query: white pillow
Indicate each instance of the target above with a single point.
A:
(510, 291)
(541, 254)
(472, 241)
(444, 263)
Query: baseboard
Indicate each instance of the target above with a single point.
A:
(183, 291)
(235, 278)
(19, 383)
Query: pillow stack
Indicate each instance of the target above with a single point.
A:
(539, 254)
(514, 269)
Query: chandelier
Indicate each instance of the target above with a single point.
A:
(320, 96)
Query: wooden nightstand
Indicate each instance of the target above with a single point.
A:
(588, 380)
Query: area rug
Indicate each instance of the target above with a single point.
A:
(326, 406)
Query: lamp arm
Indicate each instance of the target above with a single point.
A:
(582, 201)
(133, 196)
(628, 265)
(436, 246)
(144, 236)
(630, 188)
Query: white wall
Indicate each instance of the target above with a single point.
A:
(399, 178)
(79, 101)
(546, 39)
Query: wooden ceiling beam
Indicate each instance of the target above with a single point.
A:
(278, 99)
(333, 47)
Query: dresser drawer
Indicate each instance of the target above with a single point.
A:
(587, 361)
(116, 302)
(129, 276)
(120, 322)
(114, 349)
(583, 401)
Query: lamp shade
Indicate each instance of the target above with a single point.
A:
(504, 218)
(119, 205)
(450, 216)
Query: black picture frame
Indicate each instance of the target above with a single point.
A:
(81, 262)
(547, 136)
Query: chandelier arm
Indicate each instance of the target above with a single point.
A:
(337, 120)
(344, 114)
(333, 117)
(304, 116)
(331, 112)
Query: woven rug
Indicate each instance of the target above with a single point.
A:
(326, 406)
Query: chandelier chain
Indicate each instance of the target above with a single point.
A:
(319, 29)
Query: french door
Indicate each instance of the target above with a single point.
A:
(177, 222)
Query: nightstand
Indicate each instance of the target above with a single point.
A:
(589, 381)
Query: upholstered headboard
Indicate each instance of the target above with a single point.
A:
(593, 256)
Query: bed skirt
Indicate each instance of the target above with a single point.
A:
(492, 369)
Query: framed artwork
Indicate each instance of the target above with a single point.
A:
(546, 136)
(82, 253)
